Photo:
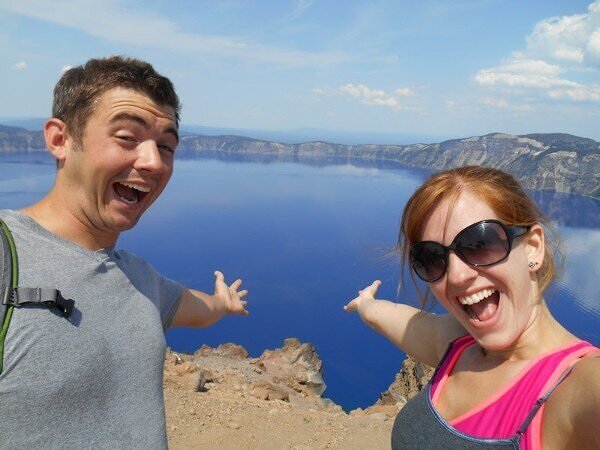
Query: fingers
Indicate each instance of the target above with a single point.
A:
(243, 293)
(367, 293)
(236, 284)
(352, 305)
(370, 289)
(219, 276)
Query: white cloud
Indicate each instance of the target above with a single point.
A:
(111, 21)
(578, 93)
(555, 48)
(523, 73)
(568, 39)
(376, 97)
(65, 68)
(21, 65)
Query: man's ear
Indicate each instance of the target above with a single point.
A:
(58, 140)
(536, 248)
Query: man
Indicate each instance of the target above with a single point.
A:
(95, 379)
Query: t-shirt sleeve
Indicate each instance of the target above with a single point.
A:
(171, 293)
(165, 294)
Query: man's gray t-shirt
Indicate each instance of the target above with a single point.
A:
(95, 379)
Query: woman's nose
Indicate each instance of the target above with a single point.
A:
(458, 271)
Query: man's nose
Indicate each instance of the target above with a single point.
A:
(458, 271)
(149, 157)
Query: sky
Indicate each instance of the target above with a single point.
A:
(441, 68)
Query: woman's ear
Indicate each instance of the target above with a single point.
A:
(536, 248)
(57, 138)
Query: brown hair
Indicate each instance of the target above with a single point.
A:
(78, 89)
(498, 189)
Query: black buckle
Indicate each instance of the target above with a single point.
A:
(52, 299)
(64, 305)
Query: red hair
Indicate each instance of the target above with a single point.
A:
(499, 190)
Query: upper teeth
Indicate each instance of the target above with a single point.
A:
(136, 186)
(476, 298)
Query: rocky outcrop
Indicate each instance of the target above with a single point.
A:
(296, 365)
(293, 373)
(221, 398)
(413, 377)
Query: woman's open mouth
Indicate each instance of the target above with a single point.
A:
(481, 305)
(130, 193)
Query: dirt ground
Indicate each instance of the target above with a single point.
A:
(228, 417)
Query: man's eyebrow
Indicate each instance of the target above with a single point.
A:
(141, 121)
(128, 116)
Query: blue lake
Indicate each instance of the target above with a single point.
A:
(305, 236)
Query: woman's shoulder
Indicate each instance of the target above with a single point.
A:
(575, 405)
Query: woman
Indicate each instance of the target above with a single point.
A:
(509, 375)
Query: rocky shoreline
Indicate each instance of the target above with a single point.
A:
(222, 398)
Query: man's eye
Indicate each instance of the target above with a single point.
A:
(126, 138)
(166, 148)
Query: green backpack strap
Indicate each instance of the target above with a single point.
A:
(12, 296)
(8, 281)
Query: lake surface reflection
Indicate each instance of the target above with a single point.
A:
(305, 236)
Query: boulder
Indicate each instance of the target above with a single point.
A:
(297, 365)
(228, 350)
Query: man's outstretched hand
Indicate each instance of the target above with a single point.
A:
(230, 296)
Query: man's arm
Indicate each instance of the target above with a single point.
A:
(198, 309)
(424, 336)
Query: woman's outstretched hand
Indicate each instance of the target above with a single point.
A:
(365, 299)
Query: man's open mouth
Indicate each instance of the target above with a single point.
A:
(130, 193)
(481, 305)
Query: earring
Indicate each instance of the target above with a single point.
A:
(532, 264)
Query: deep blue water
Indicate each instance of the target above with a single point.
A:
(305, 236)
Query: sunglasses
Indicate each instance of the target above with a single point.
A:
(481, 244)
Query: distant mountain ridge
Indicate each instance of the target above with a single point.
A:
(557, 162)
(553, 161)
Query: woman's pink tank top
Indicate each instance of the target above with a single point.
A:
(501, 415)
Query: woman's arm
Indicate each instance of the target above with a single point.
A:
(422, 335)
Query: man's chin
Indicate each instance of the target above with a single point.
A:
(120, 224)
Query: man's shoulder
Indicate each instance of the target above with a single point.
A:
(15, 220)
(7, 214)
(131, 262)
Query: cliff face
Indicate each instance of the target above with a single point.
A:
(13, 139)
(555, 162)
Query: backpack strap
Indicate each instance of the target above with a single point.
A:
(12, 296)
(8, 281)
(42, 296)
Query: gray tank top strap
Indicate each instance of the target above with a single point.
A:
(540, 402)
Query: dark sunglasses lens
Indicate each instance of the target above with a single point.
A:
(483, 244)
(428, 260)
